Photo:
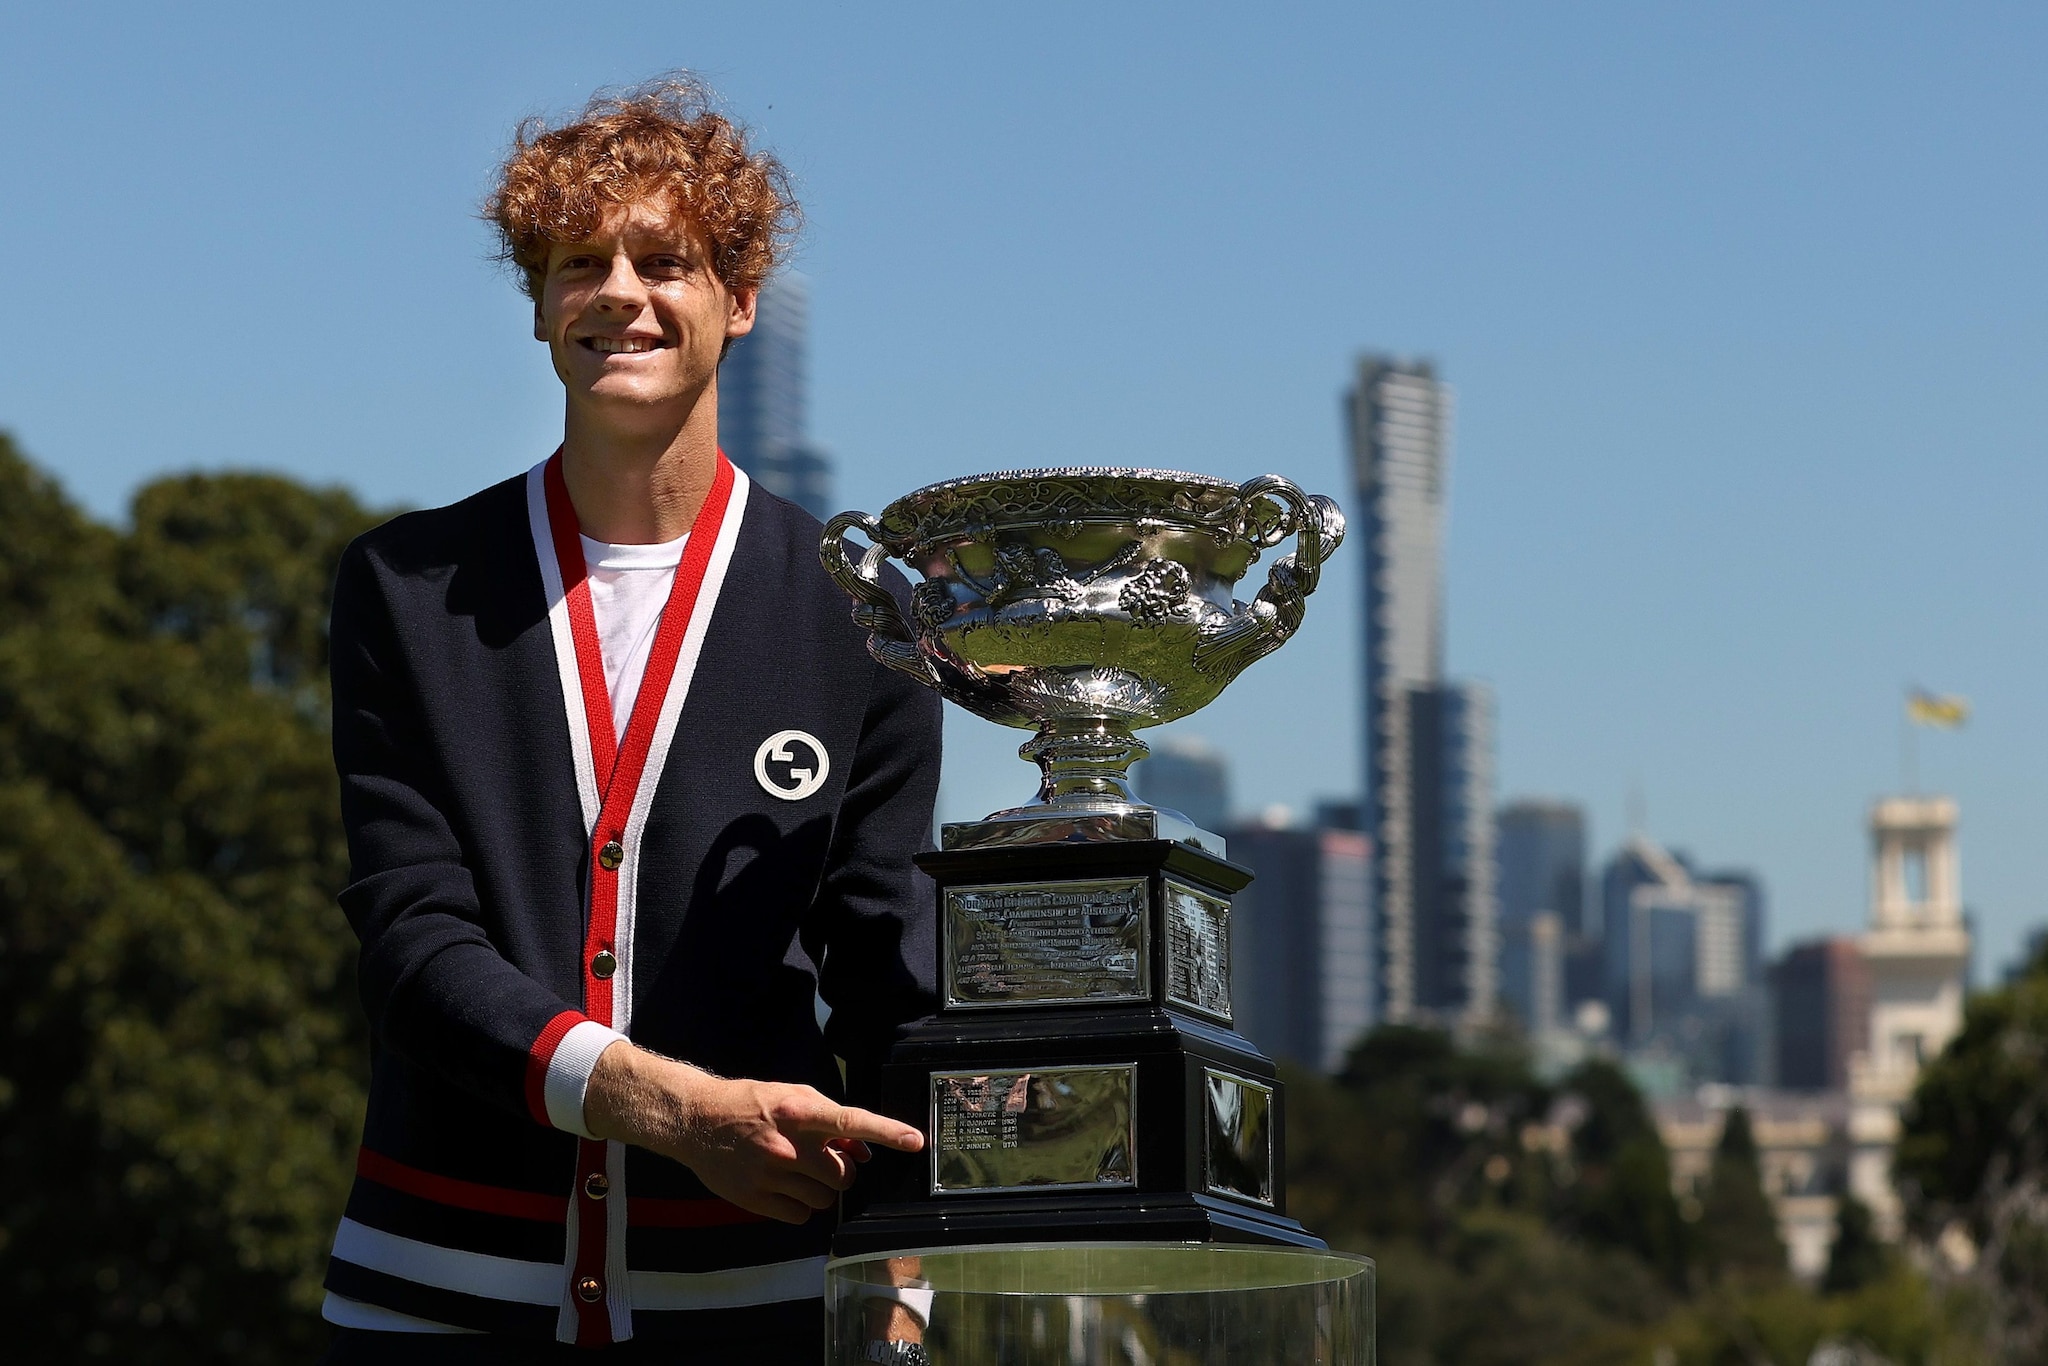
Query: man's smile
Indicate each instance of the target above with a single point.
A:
(622, 346)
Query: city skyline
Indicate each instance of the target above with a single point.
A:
(1743, 308)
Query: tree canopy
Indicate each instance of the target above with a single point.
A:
(180, 1051)
(1738, 1231)
(1857, 1257)
(1973, 1155)
(1521, 1221)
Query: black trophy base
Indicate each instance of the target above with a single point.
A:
(1173, 1176)
(1081, 1081)
(1134, 1217)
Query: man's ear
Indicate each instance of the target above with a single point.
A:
(739, 312)
(540, 326)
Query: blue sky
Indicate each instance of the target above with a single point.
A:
(1744, 306)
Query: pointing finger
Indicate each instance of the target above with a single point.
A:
(874, 1128)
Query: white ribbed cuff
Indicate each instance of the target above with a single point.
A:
(569, 1074)
(916, 1297)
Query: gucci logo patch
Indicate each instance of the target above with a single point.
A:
(791, 764)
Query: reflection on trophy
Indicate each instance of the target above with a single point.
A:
(1081, 1082)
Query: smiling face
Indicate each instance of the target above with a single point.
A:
(635, 318)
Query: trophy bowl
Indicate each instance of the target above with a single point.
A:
(1083, 604)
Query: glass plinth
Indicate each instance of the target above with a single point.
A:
(1105, 1304)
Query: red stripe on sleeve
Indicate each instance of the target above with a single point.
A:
(539, 1056)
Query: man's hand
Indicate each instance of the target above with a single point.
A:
(774, 1149)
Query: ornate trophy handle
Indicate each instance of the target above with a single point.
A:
(890, 639)
(1259, 627)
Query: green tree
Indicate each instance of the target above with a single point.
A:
(1437, 1159)
(1737, 1235)
(1412, 1132)
(1621, 1192)
(180, 1052)
(1857, 1257)
(1574, 1258)
(1973, 1156)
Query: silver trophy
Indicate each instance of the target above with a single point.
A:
(1082, 1078)
(1083, 604)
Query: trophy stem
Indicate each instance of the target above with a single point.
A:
(1085, 763)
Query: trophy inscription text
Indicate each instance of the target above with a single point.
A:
(1053, 1128)
(1197, 950)
(1041, 943)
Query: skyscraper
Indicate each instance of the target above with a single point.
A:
(1542, 847)
(1428, 741)
(761, 400)
(1301, 949)
(1677, 969)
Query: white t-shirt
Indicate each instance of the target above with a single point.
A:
(629, 585)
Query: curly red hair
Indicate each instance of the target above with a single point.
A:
(664, 139)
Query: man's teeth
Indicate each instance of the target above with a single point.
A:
(615, 346)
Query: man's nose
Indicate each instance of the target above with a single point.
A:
(622, 290)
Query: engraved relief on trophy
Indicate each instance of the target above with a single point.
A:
(1239, 1124)
(1041, 943)
(1197, 950)
(1047, 1129)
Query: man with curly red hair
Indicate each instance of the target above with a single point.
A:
(624, 796)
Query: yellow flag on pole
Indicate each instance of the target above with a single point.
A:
(1927, 709)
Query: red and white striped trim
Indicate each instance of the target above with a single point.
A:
(565, 643)
(615, 782)
(502, 1278)
(649, 1211)
(540, 1056)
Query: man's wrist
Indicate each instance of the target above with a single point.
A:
(611, 1099)
(640, 1097)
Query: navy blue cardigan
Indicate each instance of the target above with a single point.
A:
(468, 798)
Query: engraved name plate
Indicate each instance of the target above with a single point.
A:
(1197, 950)
(1240, 1136)
(1055, 1128)
(1035, 943)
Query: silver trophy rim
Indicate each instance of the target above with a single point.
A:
(1069, 472)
